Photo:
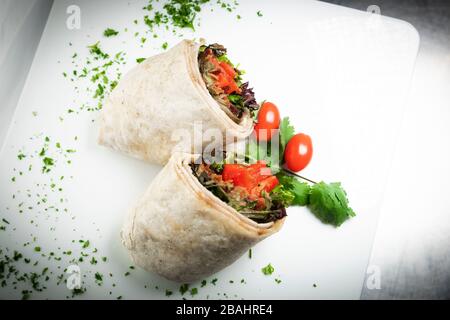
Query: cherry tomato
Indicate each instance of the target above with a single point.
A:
(298, 152)
(268, 119)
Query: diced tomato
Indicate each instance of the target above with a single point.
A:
(266, 185)
(228, 69)
(223, 81)
(269, 183)
(251, 180)
(225, 76)
(232, 87)
(257, 170)
(226, 83)
(231, 171)
(251, 177)
(245, 180)
(240, 175)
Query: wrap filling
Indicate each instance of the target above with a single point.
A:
(249, 189)
(224, 82)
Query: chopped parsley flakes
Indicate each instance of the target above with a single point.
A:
(268, 270)
(97, 52)
(184, 288)
(110, 32)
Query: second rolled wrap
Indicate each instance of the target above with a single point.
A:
(181, 231)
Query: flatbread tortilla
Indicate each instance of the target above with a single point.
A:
(156, 100)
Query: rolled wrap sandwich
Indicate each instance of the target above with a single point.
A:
(172, 91)
(191, 223)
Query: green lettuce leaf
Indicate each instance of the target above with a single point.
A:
(282, 195)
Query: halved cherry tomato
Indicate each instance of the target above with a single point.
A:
(268, 120)
(298, 152)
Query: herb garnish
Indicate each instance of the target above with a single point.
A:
(85, 243)
(329, 203)
(184, 288)
(268, 270)
(97, 52)
(110, 32)
(98, 278)
(194, 291)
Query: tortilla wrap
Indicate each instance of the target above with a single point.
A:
(164, 93)
(181, 231)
